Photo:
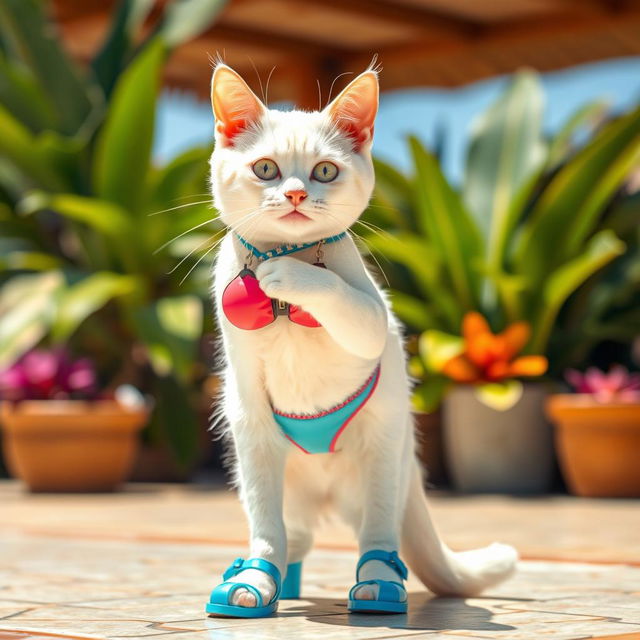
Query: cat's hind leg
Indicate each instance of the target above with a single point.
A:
(303, 499)
(373, 503)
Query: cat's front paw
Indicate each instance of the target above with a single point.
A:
(290, 280)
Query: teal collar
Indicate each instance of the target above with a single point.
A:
(286, 249)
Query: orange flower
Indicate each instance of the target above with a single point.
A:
(489, 357)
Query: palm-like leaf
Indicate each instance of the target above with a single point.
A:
(78, 179)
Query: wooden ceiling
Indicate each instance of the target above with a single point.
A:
(419, 43)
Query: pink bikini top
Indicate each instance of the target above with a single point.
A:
(247, 306)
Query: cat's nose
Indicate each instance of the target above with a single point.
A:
(296, 196)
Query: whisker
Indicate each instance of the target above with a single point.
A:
(346, 73)
(266, 96)
(200, 259)
(379, 231)
(257, 74)
(184, 233)
(373, 256)
(371, 205)
(356, 235)
(195, 249)
(180, 206)
(190, 195)
(251, 217)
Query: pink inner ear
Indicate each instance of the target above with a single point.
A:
(232, 128)
(354, 110)
(358, 134)
(235, 106)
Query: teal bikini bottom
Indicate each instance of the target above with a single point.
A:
(319, 432)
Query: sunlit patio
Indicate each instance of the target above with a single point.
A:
(503, 226)
(138, 564)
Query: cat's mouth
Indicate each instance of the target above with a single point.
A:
(294, 215)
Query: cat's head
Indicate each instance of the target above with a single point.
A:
(291, 176)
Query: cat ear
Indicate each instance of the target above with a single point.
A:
(354, 110)
(235, 106)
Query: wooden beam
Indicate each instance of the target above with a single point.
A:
(513, 31)
(312, 81)
(74, 10)
(284, 43)
(456, 50)
(408, 15)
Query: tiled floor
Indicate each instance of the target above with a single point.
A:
(102, 567)
(550, 527)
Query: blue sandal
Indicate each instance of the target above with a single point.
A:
(291, 583)
(389, 591)
(220, 599)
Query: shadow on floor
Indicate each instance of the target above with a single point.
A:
(426, 613)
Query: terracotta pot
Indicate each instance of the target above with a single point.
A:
(430, 448)
(70, 445)
(494, 451)
(598, 445)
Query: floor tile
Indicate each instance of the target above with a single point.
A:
(56, 584)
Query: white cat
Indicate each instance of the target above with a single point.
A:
(289, 180)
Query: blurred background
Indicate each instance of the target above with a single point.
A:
(504, 222)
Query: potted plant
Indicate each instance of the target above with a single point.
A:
(598, 432)
(97, 236)
(496, 436)
(59, 433)
(530, 224)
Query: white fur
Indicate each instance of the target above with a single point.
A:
(373, 481)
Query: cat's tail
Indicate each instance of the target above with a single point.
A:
(443, 571)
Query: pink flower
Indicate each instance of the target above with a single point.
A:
(616, 386)
(42, 375)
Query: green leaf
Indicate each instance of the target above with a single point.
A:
(600, 250)
(586, 116)
(185, 19)
(29, 261)
(411, 251)
(392, 202)
(428, 395)
(104, 216)
(18, 144)
(177, 418)
(506, 148)
(568, 209)
(67, 155)
(33, 40)
(170, 329)
(79, 301)
(443, 217)
(425, 266)
(413, 312)
(437, 348)
(27, 308)
(500, 396)
(624, 217)
(511, 290)
(185, 175)
(111, 59)
(21, 94)
(123, 151)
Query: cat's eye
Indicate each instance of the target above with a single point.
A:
(266, 169)
(325, 172)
